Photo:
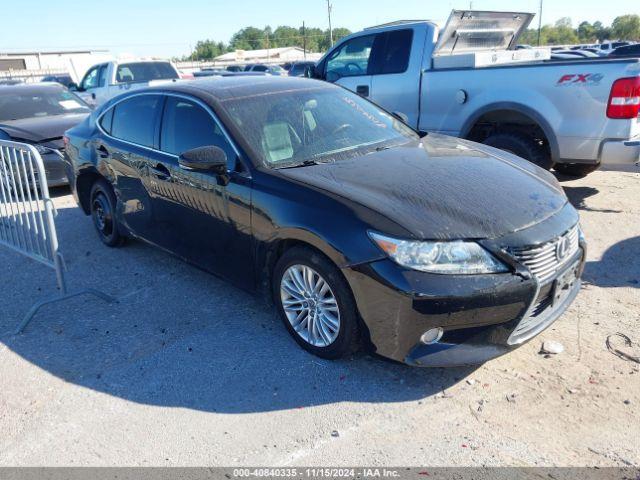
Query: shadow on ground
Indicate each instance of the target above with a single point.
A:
(180, 337)
(619, 266)
(578, 196)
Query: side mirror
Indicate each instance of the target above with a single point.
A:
(402, 117)
(73, 86)
(209, 158)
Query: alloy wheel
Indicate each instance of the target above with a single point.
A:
(310, 305)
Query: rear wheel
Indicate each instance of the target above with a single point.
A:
(575, 169)
(521, 145)
(103, 207)
(315, 303)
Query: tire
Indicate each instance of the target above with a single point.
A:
(102, 208)
(575, 169)
(521, 145)
(317, 334)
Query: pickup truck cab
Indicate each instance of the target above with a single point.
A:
(106, 80)
(467, 80)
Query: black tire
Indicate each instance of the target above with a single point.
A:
(575, 169)
(347, 339)
(103, 207)
(521, 145)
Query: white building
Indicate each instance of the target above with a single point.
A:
(268, 55)
(74, 62)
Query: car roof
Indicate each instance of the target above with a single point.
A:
(31, 88)
(227, 88)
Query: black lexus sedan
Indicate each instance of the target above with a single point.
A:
(435, 251)
(39, 114)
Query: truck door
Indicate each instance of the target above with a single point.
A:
(348, 65)
(92, 85)
(395, 71)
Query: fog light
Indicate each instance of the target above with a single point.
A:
(431, 336)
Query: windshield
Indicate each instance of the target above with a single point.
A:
(16, 105)
(315, 124)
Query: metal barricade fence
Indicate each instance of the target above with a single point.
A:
(27, 216)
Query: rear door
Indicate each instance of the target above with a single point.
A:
(129, 149)
(348, 65)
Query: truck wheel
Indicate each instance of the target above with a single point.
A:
(575, 169)
(521, 145)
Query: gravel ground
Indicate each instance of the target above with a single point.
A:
(186, 370)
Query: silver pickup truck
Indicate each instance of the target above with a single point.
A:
(467, 80)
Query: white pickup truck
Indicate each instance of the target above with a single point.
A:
(106, 80)
(467, 80)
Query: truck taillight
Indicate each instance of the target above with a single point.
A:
(624, 101)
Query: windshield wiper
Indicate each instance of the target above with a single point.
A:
(306, 163)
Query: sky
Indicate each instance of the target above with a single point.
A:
(171, 28)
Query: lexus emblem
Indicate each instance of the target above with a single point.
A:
(562, 249)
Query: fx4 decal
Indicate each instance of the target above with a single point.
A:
(586, 79)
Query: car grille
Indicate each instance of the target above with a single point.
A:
(543, 261)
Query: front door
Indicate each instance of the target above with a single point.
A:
(348, 65)
(206, 218)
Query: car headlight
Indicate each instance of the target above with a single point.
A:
(452, 257)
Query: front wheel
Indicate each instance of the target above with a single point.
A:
(315, 303)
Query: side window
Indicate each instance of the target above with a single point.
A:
(260, 68)
(106, 120)
(391, 52)
(351, 59)
(186, 125)
(91, 79)
(134, 119)
(102, 81)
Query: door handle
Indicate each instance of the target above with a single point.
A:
(103, 152)
(160, 171)
(363, 90)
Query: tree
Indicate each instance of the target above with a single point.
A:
(626, 27)
(208, 50)
(249, 38)
(602, 33)
(586, 32)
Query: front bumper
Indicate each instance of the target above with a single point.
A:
(54, 166)
(482, 316)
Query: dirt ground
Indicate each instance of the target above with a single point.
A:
(186, 370)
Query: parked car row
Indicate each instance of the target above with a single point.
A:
(361, 221)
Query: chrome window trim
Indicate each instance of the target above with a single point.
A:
(197, 101)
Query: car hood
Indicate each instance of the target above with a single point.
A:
(40, 129)
(443, 188)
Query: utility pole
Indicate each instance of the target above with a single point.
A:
(539, 22)
(329, 7)
(304, 41)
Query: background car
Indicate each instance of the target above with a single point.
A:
(39, 114)
(626, 51)
(275, 70)
(65, 80)
(302, 69)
